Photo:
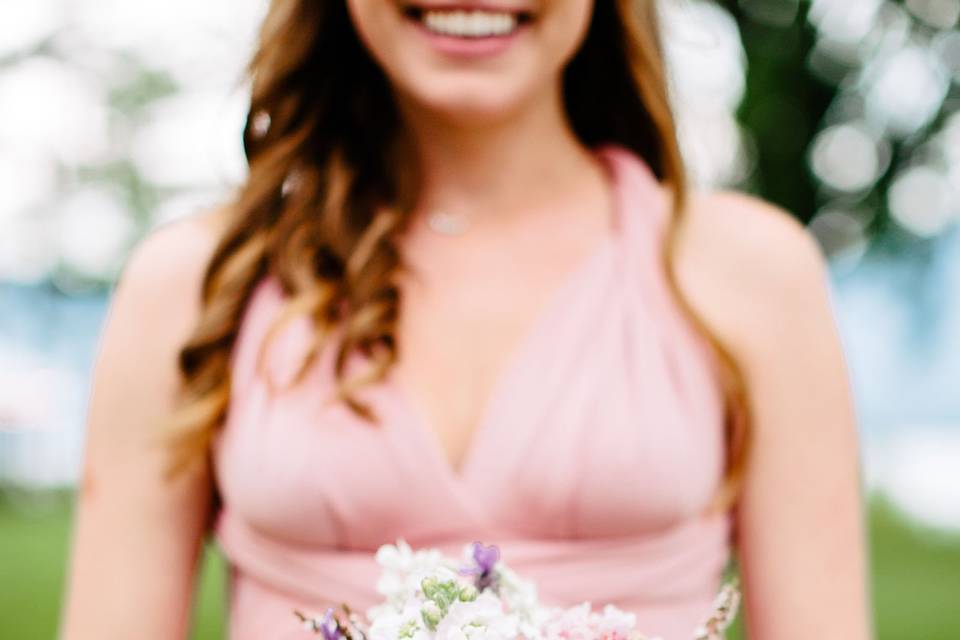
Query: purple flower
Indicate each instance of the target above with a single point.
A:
(329, 626)
(484, 558)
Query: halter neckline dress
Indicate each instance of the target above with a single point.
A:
(598, 451)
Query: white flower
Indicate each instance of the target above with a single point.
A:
(404, 569)
(614, 622)
(510, 612)
(520, 598)
(572, 623)
(480, 619)
(387, 623)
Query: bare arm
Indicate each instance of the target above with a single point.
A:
(136, 539)
(759, 280)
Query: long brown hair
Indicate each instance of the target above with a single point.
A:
(328, 195)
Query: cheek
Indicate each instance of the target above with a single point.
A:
(567, 29)
(376, 26)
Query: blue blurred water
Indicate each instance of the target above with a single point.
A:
(900, 323)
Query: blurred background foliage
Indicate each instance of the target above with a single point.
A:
(116, 117)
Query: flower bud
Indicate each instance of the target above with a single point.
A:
(432, 614)
(430, 585)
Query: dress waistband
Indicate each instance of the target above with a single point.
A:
(672, 566)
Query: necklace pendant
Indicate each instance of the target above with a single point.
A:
(447, 224)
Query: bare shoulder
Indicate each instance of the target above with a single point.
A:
(175, 254)
(156, 300)
(152, 312)
(748, 267)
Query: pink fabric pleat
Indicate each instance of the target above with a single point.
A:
(598, 451)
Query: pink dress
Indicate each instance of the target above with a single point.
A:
(598, 451)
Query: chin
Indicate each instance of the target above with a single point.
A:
(469, 102)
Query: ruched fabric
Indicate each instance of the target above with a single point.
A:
(591, 468)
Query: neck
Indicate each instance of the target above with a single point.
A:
(498, 167)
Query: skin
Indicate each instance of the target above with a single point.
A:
(136, 539)
(495, 145)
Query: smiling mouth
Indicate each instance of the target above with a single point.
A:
(468, 23)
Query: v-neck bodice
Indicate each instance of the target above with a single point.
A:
(555, 304)
(597, 453)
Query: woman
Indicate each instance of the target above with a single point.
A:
(465, 294)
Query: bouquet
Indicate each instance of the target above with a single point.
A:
(428, 596)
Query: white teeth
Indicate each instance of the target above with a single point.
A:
(472, 24)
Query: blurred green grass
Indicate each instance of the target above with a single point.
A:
(916, 574)
(34, 546)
